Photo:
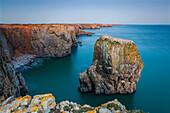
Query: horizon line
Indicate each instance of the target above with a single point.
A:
(83, 23)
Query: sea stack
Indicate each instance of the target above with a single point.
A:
(116, 67)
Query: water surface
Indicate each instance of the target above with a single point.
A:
(59, 76)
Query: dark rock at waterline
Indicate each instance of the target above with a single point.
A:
(79, 42)
(116, 67)
(11, 82)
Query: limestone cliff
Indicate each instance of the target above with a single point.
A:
(116, 67)
(11, 83)
(45, 40)
(40, 40)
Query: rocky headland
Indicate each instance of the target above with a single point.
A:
(46, 104)
(29, 41)
(116, 67)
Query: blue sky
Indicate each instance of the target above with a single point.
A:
(85, 11)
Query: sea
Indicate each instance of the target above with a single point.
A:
(59, 76)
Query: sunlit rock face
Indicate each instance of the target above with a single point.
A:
(40, 40)
(28, 41)
(11, 83)
(116, 67)
(45, 40)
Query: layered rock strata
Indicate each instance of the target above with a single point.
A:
(43, 40)
(46, 104)
(116, 67)
(40, 40)
(11, 83)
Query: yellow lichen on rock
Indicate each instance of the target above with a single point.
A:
(104, 105)
(46, 104)
(42, 103)
(84, 106)
(115, 101)
(17, 103)
(92, 111)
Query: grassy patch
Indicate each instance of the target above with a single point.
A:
(116, 107)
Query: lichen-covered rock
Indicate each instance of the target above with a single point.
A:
(17, 105)
(11, 83)
(46, 104)
(70, 107)
(116, 67)
(42, 103)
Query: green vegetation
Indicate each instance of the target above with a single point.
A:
(34, 39)
(82, 110)
(55, 111)
(72, 32)
(135, 111)
(86, 109)
(67, 108)
(17, 73)
(116, 107)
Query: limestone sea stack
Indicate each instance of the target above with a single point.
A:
(116, 67)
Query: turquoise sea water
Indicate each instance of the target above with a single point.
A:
(59, 76)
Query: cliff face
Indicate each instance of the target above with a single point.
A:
(45, 40)
(116, 67)
(40, 40)
(11, 83)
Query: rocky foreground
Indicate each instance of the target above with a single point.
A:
(116, 67)
(46, 104)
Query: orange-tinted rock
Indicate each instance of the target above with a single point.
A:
(40, 40)
(79, 42)
(45, 40)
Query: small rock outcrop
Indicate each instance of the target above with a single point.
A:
(116, 67)
(11, 82)
(46, 104)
